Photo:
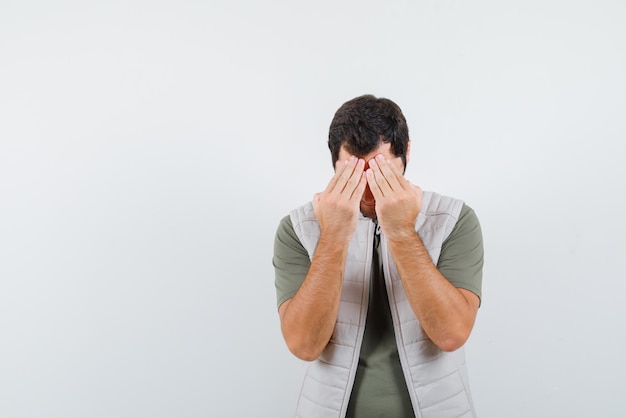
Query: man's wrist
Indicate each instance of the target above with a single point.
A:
(334, 240)
(402, 235)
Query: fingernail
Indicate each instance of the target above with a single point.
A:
(380, 157)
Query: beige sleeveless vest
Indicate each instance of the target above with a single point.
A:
(437, 380)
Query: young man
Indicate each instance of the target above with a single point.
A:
(378, 283)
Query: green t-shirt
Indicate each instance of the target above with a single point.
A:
(379, 387)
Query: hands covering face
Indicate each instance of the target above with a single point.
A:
(337, 207)
(398, 202)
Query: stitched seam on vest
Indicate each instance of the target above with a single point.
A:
(448, 398)
(347, 301)
(440, 212)
(427, 361)
(437, 380)
(341, 345)
(326, 383)
(318, 404)
(347, 323)
(417, 340)
(333, 365)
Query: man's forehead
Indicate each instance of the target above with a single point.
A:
(384, 148)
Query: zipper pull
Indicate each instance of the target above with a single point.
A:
(377, 231)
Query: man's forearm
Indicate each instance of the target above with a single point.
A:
(445, 313)
(308, 319)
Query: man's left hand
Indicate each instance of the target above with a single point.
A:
(398, 202)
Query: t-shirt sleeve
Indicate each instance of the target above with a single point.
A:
(461, 259)
(291, 261)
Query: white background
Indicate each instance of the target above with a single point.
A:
(149, 149)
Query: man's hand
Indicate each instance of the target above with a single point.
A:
(337, 207)
(398, 202)
(446, 313)
(308, 319)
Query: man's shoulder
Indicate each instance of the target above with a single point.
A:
(285, 225)
(467, 225)
(437, 204)
(302, 213)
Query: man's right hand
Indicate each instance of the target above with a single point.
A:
(337, 207)
(308, 319)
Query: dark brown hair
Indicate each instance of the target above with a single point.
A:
(363, 123)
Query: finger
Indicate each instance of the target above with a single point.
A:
(399, 175)
(354, 179)
(374, 187)
(346, 175)
(357, 194)
(379, 177)
(395, 180)
(340, 169)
